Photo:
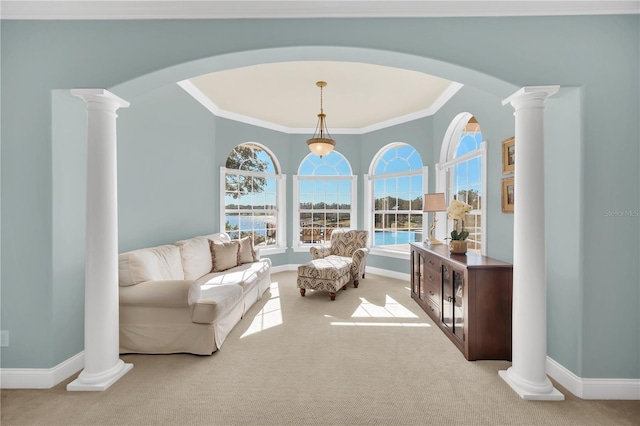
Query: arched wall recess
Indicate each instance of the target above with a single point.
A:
(182, 71)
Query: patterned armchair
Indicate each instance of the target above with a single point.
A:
(350, 246)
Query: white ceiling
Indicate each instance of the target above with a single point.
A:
(284, 95)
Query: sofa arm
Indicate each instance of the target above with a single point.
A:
(358, 259)
(320, 252)
(165, 293)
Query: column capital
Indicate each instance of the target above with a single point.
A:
(101, 96)
(540, 93)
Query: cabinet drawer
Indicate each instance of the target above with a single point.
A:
(433, 263)
(432, 310)
(432, 277)
(433, 293)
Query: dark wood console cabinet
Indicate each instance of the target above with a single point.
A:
(468, 296)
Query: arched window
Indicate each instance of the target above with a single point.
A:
(396, 185)
(253, 191)
(324, 198)
(461, 175)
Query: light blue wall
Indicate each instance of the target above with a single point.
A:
(166, 155)
(68, 187)
(139, 60)
(563, 161)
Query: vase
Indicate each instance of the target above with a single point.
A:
(458, 246)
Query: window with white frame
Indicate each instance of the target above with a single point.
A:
(324, 198)
(463, 175)
(253, 191)
(396, 186)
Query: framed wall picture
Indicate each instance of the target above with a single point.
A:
(508, 155)
(508, 195)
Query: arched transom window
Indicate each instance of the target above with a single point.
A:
(324, 198)
(252, 187)
(397, 184)
(463, 174)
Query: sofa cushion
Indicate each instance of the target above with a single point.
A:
(259, 268)
(150, 264)
(247, 253)
(224, 255)
(215, 301)
(196, 257)
(247, 279)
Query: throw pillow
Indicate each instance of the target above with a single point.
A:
(247, 253)
(224, 255)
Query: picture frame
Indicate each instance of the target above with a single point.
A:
(508, 195)
(508, 155)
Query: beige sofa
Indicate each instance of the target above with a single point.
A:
(188, 296)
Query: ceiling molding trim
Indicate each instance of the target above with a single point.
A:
(448, 93)
(247, 9)
(197, 94)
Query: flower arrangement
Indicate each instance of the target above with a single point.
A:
(457, 211)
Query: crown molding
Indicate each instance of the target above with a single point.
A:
(244, 9)
(197, 94)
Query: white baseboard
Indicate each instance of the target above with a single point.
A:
(386, 273)
(40, 378)
(593, 388)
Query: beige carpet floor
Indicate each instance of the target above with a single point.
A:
(371, 357)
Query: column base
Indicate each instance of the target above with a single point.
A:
(99, 382)
(530, 391)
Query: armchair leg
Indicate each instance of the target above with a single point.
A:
(302, 291)
(355, 283)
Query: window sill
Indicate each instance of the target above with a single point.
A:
(305, 248)
(377, 251)
(272, 250)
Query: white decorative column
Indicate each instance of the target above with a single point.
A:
(102, 366)
(527, 375)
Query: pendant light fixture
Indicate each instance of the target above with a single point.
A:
(321, 143)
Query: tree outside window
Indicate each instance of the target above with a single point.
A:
(251, 194)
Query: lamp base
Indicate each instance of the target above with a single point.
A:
(432, 242)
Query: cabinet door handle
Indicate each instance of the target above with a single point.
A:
(431, 293)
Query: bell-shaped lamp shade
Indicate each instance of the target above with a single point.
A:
(321, 142)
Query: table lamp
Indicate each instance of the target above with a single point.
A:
(434, 203)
